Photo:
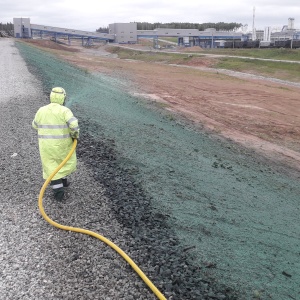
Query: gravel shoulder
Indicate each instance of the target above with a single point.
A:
(37, 260)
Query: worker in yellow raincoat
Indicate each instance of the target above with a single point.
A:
(57, 127)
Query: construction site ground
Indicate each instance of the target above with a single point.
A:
(257, 113)
(221, 161)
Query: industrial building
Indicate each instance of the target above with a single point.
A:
(127, 33)
(288, 32)
(24, 29)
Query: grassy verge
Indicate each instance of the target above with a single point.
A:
(280, 54)
(148, 56)
(162, 42)
(280, 70)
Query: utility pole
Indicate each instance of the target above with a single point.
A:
(253, 26)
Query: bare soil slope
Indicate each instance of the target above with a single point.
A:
(256, 113)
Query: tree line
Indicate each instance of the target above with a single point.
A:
(151, 26)
(102, 29)
(7, 26)
(176, 25)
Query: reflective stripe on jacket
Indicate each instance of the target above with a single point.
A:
(56, 126)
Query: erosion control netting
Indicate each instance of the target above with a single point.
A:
(226, 210)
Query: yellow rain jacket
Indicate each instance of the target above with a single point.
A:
(56, 126)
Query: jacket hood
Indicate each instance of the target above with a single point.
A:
(58, 95)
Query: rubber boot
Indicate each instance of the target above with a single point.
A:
(58, 189)
(65, 182)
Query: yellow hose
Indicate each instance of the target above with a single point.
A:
(91, 233)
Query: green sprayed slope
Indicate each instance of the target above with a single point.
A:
(239, 214)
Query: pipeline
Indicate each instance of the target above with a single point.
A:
(91, 233)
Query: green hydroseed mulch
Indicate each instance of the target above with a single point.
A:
(236, 213)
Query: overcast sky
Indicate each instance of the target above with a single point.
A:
(92, 14)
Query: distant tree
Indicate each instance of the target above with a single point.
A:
(102, 29)
(177, 25)
(7, 26)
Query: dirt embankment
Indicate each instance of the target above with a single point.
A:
(261, 115)
(48, 44)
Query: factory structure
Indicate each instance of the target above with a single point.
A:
(127, 33)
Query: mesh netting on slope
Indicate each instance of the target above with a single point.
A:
(237, 215)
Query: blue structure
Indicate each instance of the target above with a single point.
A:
(23, 29)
